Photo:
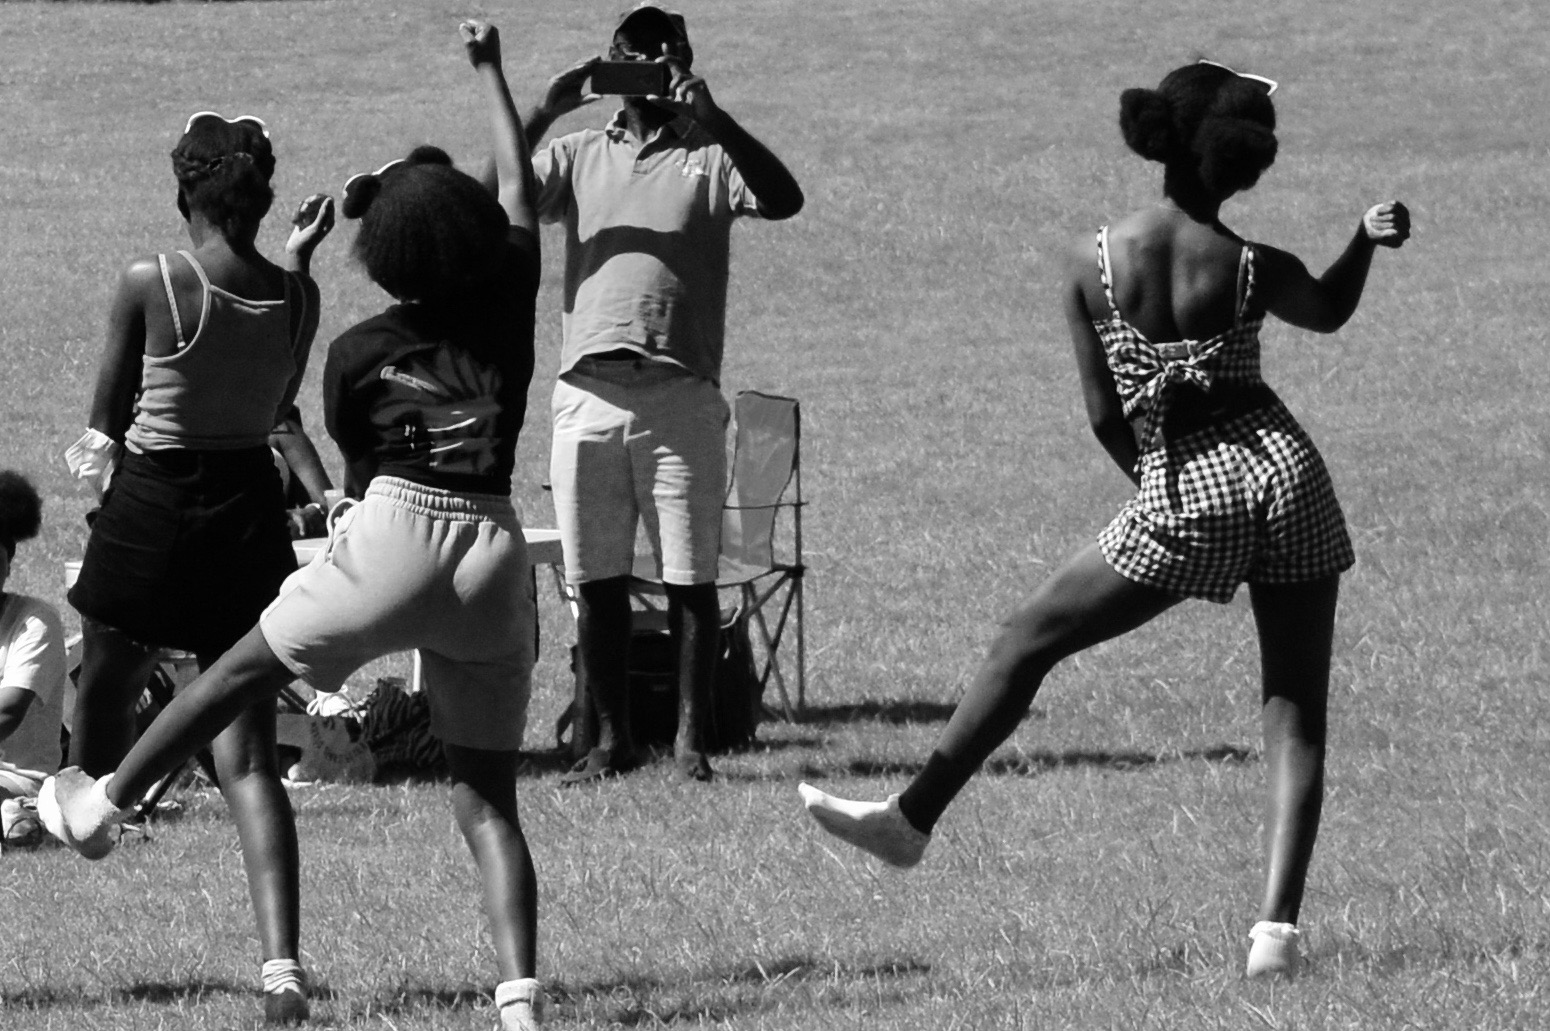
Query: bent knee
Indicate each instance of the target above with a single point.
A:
(1026, 647)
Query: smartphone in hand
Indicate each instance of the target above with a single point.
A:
(631, 78)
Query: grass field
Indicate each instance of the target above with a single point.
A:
(1104, 874)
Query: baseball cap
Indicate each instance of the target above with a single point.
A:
(647, 12)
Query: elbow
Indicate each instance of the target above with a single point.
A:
(785, 206)
(1105, 424)
(1333, 310)
(1330, 321)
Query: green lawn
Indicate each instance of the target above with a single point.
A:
(1105, 873)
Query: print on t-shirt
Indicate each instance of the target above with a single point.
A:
(441, 404)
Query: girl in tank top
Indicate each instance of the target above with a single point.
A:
(426, 402)
(206, 349)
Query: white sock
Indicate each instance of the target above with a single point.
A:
(1277, 931)
(849, 808)
(284, 975)
(101, 808)
(1275, 952)
(523, 993)
(875, 827)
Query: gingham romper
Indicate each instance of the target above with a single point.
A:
(1243, 499)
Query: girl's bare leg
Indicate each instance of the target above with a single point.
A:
(247, 676)
(484, 800)
(246, 761)
(1084, 603)
(114, 669)
(1296, 632)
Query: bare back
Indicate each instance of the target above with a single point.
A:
(1174, 279)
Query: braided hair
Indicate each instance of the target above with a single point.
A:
(1207, 126)
(223, 171)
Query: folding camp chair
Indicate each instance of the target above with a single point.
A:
(761, 556)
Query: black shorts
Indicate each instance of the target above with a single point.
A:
(187, 549)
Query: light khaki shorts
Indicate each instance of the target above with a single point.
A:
(413, 567)
(646, 441)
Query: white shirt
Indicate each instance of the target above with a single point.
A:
(32, 658)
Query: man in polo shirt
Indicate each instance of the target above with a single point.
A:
(639, 421)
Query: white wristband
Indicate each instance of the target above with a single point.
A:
(94, 457)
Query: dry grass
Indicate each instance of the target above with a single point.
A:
(1103, 874)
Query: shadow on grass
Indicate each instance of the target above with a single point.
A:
(151, 3)
(717, 997)
(545, 763)
(801, 968)
(761, 747)
(1452, 954)
(408, 1000)
(1031, 763)
(174, 991)
(155, 992)
(896, 712)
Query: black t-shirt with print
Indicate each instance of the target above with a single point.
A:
(436, 398)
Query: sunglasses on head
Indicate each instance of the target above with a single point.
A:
(1270, 84)
(351, 182)
(251, 119)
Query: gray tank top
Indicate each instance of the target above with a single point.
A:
(226, 388)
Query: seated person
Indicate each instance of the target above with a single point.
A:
(301, 471)
(32, 675)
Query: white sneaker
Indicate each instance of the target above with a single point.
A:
(1275, 952)
(76, 810)
(875, 827)
(520, 1004)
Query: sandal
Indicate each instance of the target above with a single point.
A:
(599, 764)
(694, 766)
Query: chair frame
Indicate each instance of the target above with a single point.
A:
(792, 574)
(755, 592)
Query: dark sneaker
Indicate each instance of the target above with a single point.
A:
(287, 1007)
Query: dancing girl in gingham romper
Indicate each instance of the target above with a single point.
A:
(1242, 499)
(1231, 490)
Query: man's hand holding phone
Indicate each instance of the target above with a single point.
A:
(565, 89)
(687, 93)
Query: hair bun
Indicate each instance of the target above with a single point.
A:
(1146, 120)
(429, 154)
(359, 192)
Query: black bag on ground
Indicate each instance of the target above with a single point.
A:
(736, 702)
